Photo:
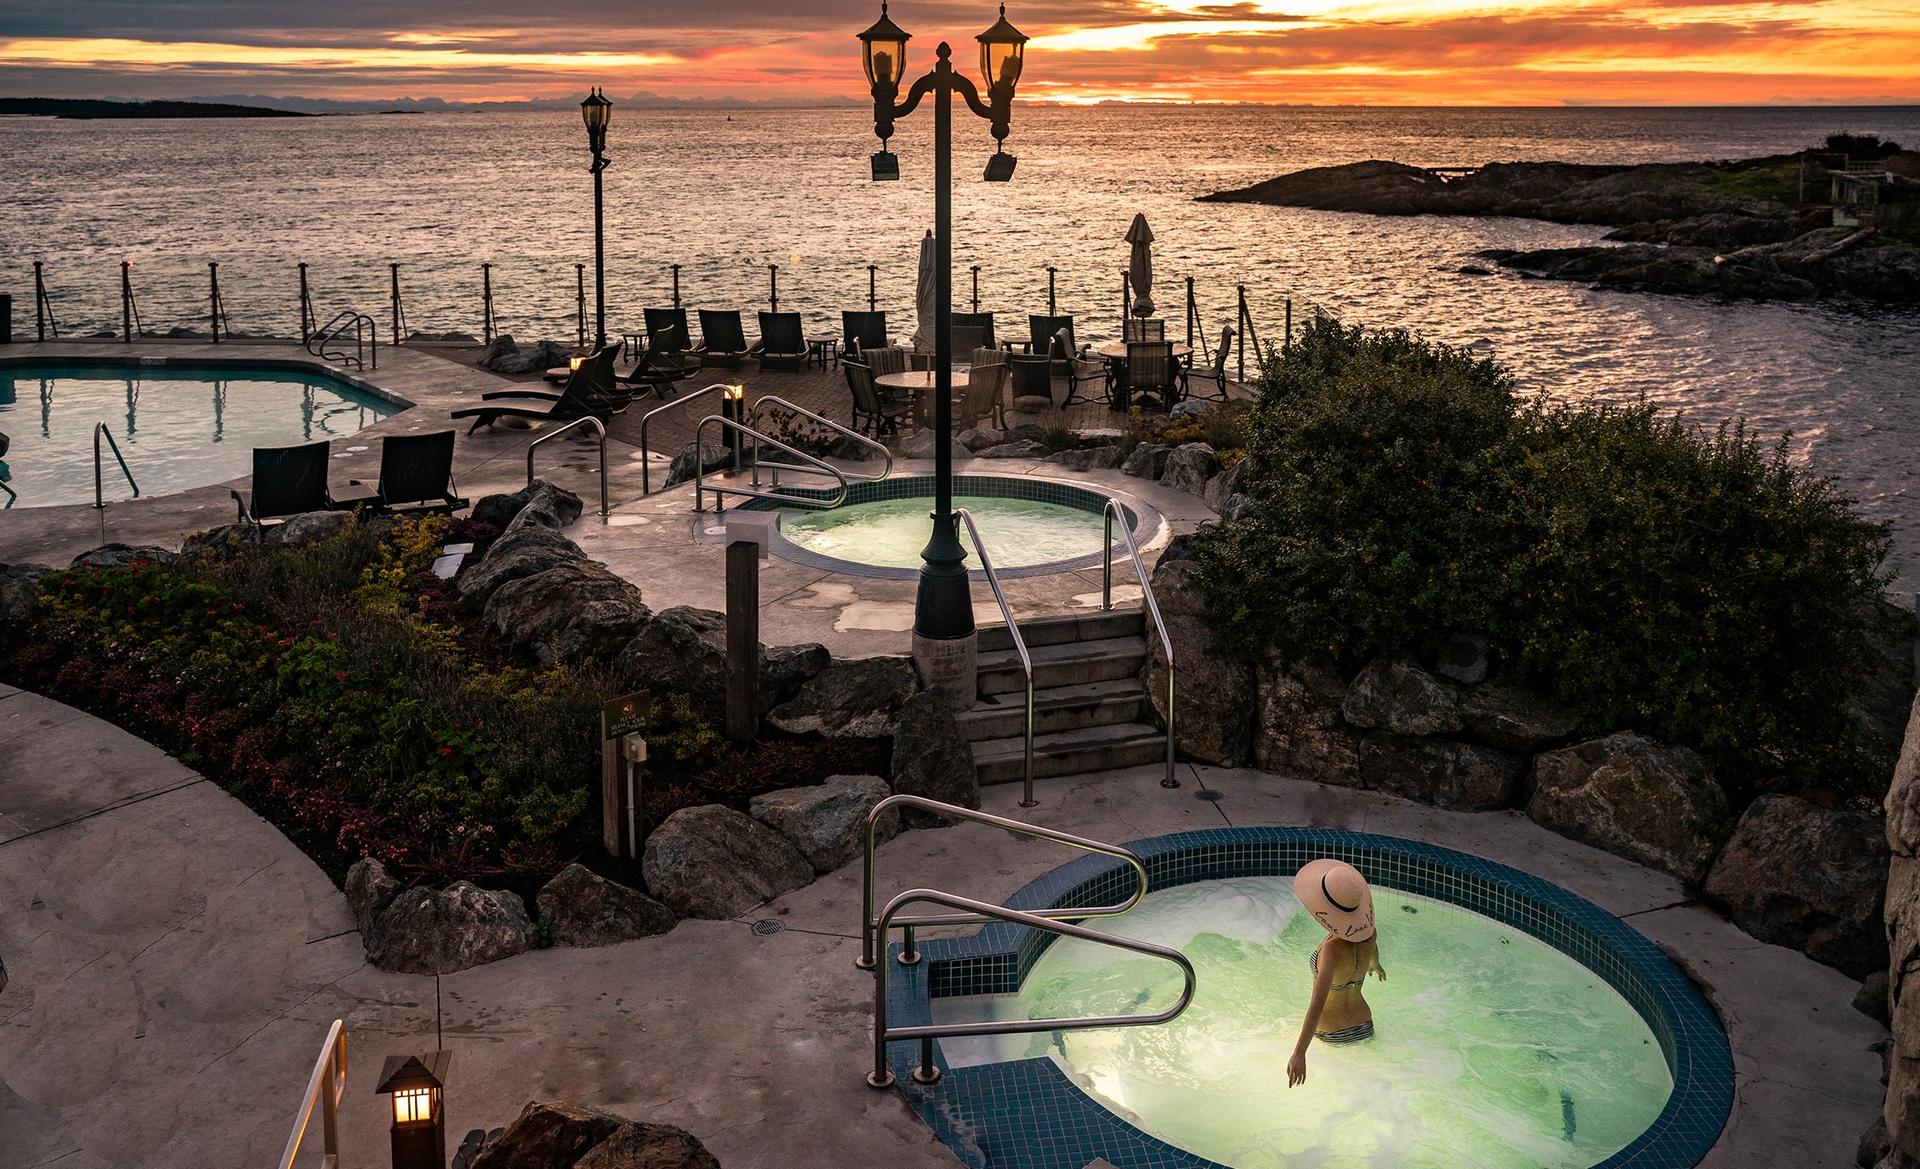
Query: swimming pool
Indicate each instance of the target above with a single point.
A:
(1519, 1025)
(179, 426)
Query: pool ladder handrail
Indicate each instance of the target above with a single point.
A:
(366, 339)
(870, 926)
(700, 487)
(600, 430)
(327, 1086)
(766, 401)
(1019, 643)
(646, 462)
(1107, 515)
(99, 490)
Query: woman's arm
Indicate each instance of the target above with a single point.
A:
(1322, 983)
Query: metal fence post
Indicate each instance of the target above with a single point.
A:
(976, 288)
(393, 297)
(1286, 343)
(42, 317)
(676, 286)
(1192, 312)
(1241, 321)
(1051, 311)
(126, 301)
(873, 297)
(773, 288)
(306, 308)
(486, 302)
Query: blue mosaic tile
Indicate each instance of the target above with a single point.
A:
(1027, 1114)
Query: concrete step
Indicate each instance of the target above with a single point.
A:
(1055, 630)
(1070, 663)
(1063, 708)
(1069, 752)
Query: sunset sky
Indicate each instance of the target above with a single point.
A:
(1410, 52)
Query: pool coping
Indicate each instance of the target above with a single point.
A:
(280, 364)
(1142, 518)
(1032, 1108)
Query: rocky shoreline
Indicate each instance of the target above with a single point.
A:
(1732, 229)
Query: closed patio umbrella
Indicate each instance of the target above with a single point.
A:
(923, 298)
(1140, 268)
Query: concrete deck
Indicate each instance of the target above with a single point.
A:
(175, 963)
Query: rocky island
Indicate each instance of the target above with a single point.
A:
(1842, 220)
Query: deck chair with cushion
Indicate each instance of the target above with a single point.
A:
(416, 473)
(287, 481)
(589, 391)
(783, 341)
(1216, 375)
(873, 412)
(980, 321)
(668, 333)
(723, 341)
(862, 331)
(1080, 370)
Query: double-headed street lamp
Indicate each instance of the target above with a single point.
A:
(597, 113)
(943, 632)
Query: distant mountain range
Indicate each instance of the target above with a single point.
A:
(66, 107)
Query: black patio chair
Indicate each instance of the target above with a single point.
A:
(967, 338)
(287, 481)
(862, 331)
(1041, 330)
(980, 321)
(1151, 370)
(723, 341)
(783, 341)
(1079, 370)
(1216, 375)
(872, 412)
(416, 474)
(5, 472)
(1145, 329)
(1032, 378)
(668, 333)
(590, 391)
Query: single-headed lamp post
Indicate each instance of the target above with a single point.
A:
(597, 113)
(943, 632)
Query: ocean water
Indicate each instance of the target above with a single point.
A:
(724, 194)
(1491, 1049)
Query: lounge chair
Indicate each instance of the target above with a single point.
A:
(872, 411)
(1217, 375)
(1151, 369)
(668, 334)
(783, 341)
(1032, 382)
(287, 481)
(980, 321)
(416, 474)
(723, 342)
(1080, 370)
(590, 391)
(5, 472)
(862, 331)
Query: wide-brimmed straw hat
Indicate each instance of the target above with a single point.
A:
(1338, 896)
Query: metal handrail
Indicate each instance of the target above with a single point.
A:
(720, 493)
(753, 419)
(926, 1033)
(331, 1066)
(1019, 642)
(646, 479)
(869, 927)
(366, 337)
(600, 429)
(99, 491)
(1107, 515)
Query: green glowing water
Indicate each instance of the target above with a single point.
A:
(891, 532)
(1490, 1049)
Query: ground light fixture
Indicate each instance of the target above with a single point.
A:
(419, 1127)
(944, 639)
(597, 112)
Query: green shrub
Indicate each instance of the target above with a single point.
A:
(1697, 586)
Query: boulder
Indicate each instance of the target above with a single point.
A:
(979, 438)
(19, 583)
(930, 759)
(370, 888)
(1190, 408)
(1237, 507)
(1226, 485)
(828, 822)
(554, 507)
(919, 444)
(522, 552)
(582, 908)
(707, 456)
(1086, 458)
(1648, 802)
(1297, 727)
(1215, 688)
(123, 555)
(685, 649)
(1902, 1109)
(1463, 659)
(1024, 448)
(1441, 772)
(710, 861)
(574, 613)
(424, 931)
(1400, 697)
(309, 527)
(1812, 878)
(547, 1136)
(1871, 999)
(1515, 718)
(503, 356)
(856, 698)
(635, 1145)
(1189, 468)
(1146, 461)
(1903, 794)
(785, 668)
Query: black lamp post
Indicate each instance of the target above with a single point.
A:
(419, 1128)
(943, 631)
(597, 113)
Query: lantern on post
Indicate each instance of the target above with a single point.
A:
(884, 52)
(419, 1126)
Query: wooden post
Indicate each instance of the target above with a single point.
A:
(743, 640)
(622, 818)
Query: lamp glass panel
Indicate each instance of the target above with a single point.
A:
(413, 1106)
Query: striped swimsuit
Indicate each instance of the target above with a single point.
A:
(1354, 1034)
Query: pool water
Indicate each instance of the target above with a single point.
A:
(1491, 1048)
(890, 533)
(178, 426)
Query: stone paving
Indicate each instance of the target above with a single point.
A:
(175, 964)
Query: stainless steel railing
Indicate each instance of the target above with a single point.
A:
(99, 489)
(1019, 643)
(767, 401)
(870, 928)
(366, 339)
(600, 431)
(646, 477)
(720, 493)
(325, 1087)
(1108, 515)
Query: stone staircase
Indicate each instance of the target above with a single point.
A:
(1090, 711)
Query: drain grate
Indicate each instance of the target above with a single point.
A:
(1209, 795)
(766, 927)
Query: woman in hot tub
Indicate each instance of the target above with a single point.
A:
(1338, 897)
